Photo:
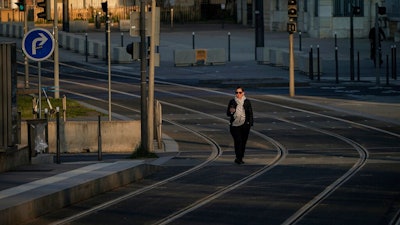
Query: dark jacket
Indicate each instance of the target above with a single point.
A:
(247, 109)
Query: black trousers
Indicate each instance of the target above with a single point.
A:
(240, 135)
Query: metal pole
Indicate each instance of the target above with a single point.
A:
(143, 74)
(395, 62)
(291, 66)
(99, 141)
(351, 43)
(56, 54)
(58, 150)
(358, 65)
(150, 105)
(122, 39)
(336, 65)
(387, 69)
(335, 39)
(109, 66)
(172, 18)
(376, 43)
(311, 64)
(193, 40)
(318, 65)
(86, 47)
(392, 59)
(229, 46)
(40, 90)
(300, 41)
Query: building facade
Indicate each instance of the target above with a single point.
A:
(317, 18)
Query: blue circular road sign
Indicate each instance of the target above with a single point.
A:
(38, 44)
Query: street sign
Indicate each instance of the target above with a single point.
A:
(291, 27)
(38, 44)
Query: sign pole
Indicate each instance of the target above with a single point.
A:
(38, 45)
(40, 89)
(56, 55)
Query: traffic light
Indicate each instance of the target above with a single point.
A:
(104, 6)
(292, 10)
(46, 14)
(21, 5)
(133, 50)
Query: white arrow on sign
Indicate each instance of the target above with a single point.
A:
(42, 40)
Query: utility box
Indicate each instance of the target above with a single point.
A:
(8, 97)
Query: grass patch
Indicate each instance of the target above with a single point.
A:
(74, 109)
(142, 153)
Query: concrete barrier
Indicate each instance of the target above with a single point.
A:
(185, 57)
(263, 55)
(280, 57)
(276, 57)
(82, 136)
(119, 55)
(62, 37)
(99, 49)
(79, 44)
(216, 56)
(304, 64)
(190, 57)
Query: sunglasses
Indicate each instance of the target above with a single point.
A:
(238, 92)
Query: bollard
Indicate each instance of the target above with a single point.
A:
(58, 150)
(99, 147)
(193, 45)
(122, 39)
(387, 69)
(336, 64)
(64, 103)
(46, 111)
(318, 64)
(229, 46)
(86, 47)
(46, 131)
(392, 60)
(311, 66)
(395, 62)
(300, 41)
(358, 65)
(335, 39)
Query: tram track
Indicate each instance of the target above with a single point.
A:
(362, 151)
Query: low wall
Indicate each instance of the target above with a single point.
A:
(13, 157)
(280, 57)
(191, 57)
(82, 136)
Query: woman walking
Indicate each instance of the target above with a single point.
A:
(241, 119)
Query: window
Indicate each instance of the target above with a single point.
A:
(316, 6)
(343, 7)
(305, 5)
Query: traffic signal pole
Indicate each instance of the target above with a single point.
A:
(150, 112)
(291, 28)
(291, 65)
(143, 75)
(56, 55)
